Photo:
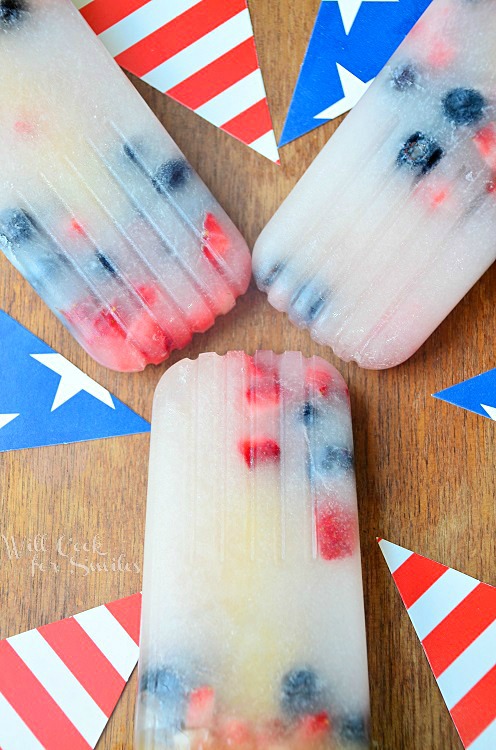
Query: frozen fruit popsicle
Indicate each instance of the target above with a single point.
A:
(252, 631)
(395, 220)
(99, 210)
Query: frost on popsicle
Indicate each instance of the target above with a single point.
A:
(252, 621)
(99, 210)
(395, 219)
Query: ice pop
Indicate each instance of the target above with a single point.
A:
(99, 210)
(395, 219)
(252, 633)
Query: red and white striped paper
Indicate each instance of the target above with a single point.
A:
(454, 616)
(202, 54)
(60, 683)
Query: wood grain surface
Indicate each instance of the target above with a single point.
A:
(425, 470)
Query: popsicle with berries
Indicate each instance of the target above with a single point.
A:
(395, 219)
(99, 210)
(252, 631)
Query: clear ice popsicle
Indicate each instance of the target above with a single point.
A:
(99, 210)
(395, 219)
(252, 634)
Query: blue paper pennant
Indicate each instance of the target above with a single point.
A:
(476, 394)
(351, 42)
(46, 400)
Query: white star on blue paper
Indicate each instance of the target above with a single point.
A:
(491, 410)
(354, 88)
(475, 394)
(46, 400)
(72, 381)
(349, 10)
(5, 419)
(351, 42)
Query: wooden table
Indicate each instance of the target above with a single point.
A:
(425, 470)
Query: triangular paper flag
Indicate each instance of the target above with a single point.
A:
(46, 400)
(454, 616)
(60, 683)
(202, 54)
(476, 394)
(350, 43)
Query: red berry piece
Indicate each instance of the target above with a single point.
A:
(148, 294)
(262, 451)
(104, 337)
(76, 228)
(24, 128)
(200, 708)
(319, 380)
(336, 533)
(438, 196)
(441, 55)
(264, 388)
(215, 243)
(107, 323)
(485, 142)
(148, 336)
(313, 726)
(435, 193)
(266, 392)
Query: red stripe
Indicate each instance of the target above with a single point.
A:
(35, 706)
(477, 709)
(415, 576)
(460, 628)
(179, 33)
(250, 124)
(128, 613)
(218, 76)
(102, 14)
(86, 662)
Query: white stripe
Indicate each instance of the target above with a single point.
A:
(469, 667)
(14, 734)
(394, 555)
(267, 146)
(439, 600)
(233, 100)
(143, 22)
(111, 638)
(81, 3)
(202, 52)
(486, 740)
(60, 683)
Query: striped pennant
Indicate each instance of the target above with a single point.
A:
(454, 617)
(202, 54)
(60, 683)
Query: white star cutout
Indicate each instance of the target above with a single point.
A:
(350, 8)
(353, 88)
(490, 410)
(72, 381)
(6, 418)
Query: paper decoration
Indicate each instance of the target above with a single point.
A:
(351, 41)
(476, 394)
(202, 54)
(454, 616)
(46, 400)
(60, 683)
